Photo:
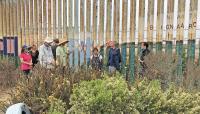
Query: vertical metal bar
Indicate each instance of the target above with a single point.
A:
(38, 21)
(175, 19)
(137, 22)
(2, 18)
(29, 23)
(186, 21)
(33, 18)
(79, 22)
(47, 14)
(62, 18)
(120, 21)
(128, 21)
(52, 19)
(145, 20)
(25, 39)
(42, 19)
(1, 30)
(67, 13)
(132, 61)
(9, 20)
(155, 20)
(73, 13)
(191, 50)
(56, 18)
(98, 17)
(198, 23)
(5, 21)
(105, 21)
(164, 32)
(85, 18)
(112, 20)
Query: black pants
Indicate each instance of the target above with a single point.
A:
(26, 72)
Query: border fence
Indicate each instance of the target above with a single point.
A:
(171, 26)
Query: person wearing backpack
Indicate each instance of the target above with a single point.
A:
(96, 60)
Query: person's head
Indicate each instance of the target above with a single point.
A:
(112, 44)
(34, 47)
(63, 42)
(145, 45)
(24, 49)
(95, 51)
(56, 41)
(48, 41)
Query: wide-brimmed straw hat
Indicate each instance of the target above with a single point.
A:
(48, 40)
(62, 41)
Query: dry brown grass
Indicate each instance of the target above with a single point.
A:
(163, 66)
(8, 73)
(36, 90)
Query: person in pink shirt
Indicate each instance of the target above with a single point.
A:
(26, 60)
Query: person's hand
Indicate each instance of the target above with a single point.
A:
(141, 61)
(57, 63)
(30, 64)
(53, 62)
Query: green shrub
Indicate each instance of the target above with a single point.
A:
(109, 95)
(56, 106)
(149, 98)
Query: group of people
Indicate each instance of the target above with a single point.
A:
(53, 54)
(50, 54)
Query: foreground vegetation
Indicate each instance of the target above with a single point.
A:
(83, 91)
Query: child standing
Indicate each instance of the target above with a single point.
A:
(26, 60)
(96, 60)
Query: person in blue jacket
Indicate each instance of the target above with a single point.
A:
(114, 58)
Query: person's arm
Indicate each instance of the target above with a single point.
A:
(57, 56)
(108, 58)
(119, 54)
(31, 63)
(24, 62)
(37, 54)
(141, 57)
(101, 62)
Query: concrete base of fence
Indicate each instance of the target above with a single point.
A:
(169, 47)
(191, 50)
(179, 50)
(158, 47)
(123, 52)
(132, 61)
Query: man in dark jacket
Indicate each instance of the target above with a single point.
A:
(144, 52)
(54, 46)
(114, 58)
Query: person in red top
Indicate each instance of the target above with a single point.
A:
(26, 60)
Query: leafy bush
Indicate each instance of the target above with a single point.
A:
(110, 95)
(56, 106)
(150, 98)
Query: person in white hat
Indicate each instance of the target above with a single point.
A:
(46, 58)
(61, 54)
